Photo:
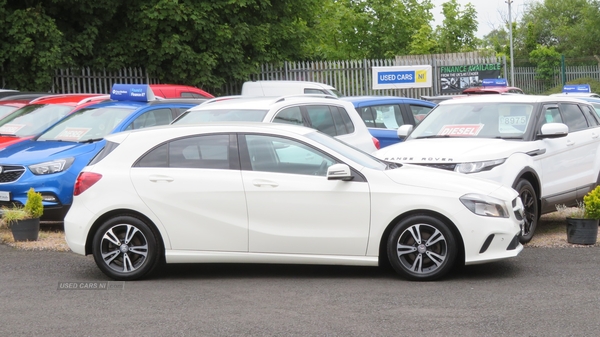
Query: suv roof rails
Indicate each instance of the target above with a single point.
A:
(222, 98)
(283, 98)
(94, 98)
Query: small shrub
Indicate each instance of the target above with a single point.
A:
(33, 205)
(592, 204)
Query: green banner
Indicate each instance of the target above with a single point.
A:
(454, 79)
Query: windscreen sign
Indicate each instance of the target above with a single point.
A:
(455, 79)
(402, 77)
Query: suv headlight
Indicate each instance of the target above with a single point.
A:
(478, 166)
(50, 167)
(485, 205)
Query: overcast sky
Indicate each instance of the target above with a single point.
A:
(490, 13)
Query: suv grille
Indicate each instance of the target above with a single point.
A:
(449, 167)
(11, 173)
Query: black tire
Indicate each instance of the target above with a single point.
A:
(531, 211)
(413, 256)
(125, 248)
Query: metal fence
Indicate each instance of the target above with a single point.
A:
(355, 77)
(351, 78)
(85, 80)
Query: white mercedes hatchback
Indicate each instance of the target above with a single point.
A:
(272, 193)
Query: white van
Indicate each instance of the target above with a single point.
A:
(283, 88)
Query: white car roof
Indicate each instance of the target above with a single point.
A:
(188, 129)
(510, 99)
(263, 102)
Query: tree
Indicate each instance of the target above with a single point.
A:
(30, 47)
(199, 42)
(571, 27)
(547, 59)
(357, 29)
(457, 33)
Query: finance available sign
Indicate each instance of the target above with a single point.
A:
(455, 79)
(402, 77)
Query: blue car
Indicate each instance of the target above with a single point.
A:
(384, 114)
(51, 162)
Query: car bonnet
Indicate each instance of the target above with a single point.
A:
(31, 152)
(452, 150)
(425, 177)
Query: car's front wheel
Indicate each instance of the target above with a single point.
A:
(531, 210)
(126, 248)
(421, 248)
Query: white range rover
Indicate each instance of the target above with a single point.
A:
(545, 147)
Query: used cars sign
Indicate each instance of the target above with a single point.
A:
(402, 77)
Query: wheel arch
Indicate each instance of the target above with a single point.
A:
(383, 257)
(122, 212)
(530, 175)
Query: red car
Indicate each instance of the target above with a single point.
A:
(178, 91)
(11, 103)
(33, 118)
(492, 86)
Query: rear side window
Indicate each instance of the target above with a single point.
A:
(321, 119)
(202, 152)
(590, 114)
(108, 148)
(573, 117)
(346, 119)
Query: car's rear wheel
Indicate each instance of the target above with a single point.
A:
(531, 209)
(125, 248)
(422, 248)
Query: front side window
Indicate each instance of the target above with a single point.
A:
(388, 116)
(282, 155)
(291, 115)
(151, 118)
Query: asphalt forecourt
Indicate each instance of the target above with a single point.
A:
(550, 233)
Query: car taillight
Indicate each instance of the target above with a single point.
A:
(84, 181)
(376, 142)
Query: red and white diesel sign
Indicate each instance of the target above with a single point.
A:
(460, 130)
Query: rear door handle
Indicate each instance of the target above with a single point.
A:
(159, 178)
(594, 135)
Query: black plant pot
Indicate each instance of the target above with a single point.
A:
(26, 230)
(582, 231)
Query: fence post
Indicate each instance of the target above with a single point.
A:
(563, 70)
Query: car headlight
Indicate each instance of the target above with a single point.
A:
(478, 166)
(485, 205)
(50, 167)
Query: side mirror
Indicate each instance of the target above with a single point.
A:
(404, 130)
(553, 130)
(339, 172)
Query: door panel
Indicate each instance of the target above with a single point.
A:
(293, 208)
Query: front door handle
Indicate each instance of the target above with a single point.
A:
(570, 142)
(262, 182)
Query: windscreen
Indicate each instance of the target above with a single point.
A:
(87, 124)
(476, 120)
(33, 119)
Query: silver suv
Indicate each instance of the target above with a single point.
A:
(325, 113)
